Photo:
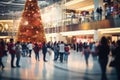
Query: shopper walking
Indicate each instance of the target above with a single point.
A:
(2, 52)
(11, 49)
(18, 49)
(30, 47)
(55, 49)
(61, 50)
(36, 51)
(93, 48)
(117, 59)
(103, 51)
(44, 51)
(24, 49)
(86, 53)
(67, 52)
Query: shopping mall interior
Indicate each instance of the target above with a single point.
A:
(70, 21)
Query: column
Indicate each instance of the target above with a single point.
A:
(98, 3)
(95, 36)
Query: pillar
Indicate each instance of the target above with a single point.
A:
(95, 36)
(99, 3)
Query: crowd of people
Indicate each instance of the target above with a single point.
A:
(100, 51)
(108, 11)
(24, 49)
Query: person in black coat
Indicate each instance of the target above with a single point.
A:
(117, 59)
(44, 51)
(36, 50)
(103, 50)
(2, 49)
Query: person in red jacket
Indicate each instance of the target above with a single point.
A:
(2, 49)
(66, 53)
(11, 49)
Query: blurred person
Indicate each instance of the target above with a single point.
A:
(93, 51)
(11, 49)
(117, 59)
(24, 49)
(66, 53)
(108, 12)
(6, 48)
(112, 48)
(44, 51)
(55, 49)
(36, 50)
(92, 15)
(58, 54)
(50, 47)
(30, 47)
(103, 51)
(97, 11)
(74, 46)
(61, 50)
(78, 46)
(100, 13)
(86, 53)
(2, 50)
(18, 49)
(81, 46)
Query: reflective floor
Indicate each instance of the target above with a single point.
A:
(74, 69)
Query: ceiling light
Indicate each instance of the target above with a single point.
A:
(81, 32)
(86, 8)
(73, 2)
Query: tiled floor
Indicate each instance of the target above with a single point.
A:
(75, 69)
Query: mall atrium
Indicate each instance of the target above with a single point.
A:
(71, 21)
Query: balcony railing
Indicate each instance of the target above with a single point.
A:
(107, 23)
(10, 34)
(101, 24)
(3, 33)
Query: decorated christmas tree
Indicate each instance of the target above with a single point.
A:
(30, 27)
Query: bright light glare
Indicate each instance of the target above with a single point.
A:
(26, 23)
(6, 26)
(83, 32)
(86, 8)
(73, 2)
(110, 30)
